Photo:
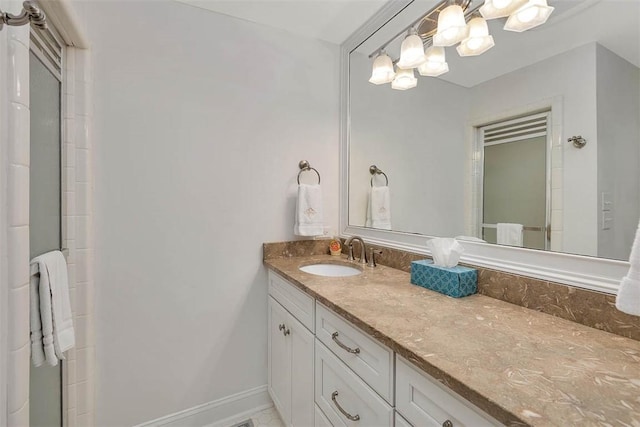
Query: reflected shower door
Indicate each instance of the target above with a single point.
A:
(45, 387)
(515, 185)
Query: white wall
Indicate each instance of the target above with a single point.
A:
(572, 76)
(417, 138)
(618, 97)
(200, 121)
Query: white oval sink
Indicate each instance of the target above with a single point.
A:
(331, 270)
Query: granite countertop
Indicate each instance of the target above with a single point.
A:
(520, 366)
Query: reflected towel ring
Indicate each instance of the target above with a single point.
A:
(374, 170)
(304, 166)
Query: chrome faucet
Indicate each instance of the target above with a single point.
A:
(363, 249)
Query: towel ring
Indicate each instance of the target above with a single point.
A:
(304, 166)
(374, 170)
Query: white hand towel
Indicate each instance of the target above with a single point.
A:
(510, 234)
(309, 221)
(628, 298)
(54, 333)
(379, 208)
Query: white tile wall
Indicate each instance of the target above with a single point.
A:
(17, 72)
(79, 376)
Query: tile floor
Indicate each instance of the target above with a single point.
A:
(267, 418)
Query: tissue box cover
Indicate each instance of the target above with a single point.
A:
(455, 281)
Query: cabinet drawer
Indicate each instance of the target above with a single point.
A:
(370, 360)
(341, 394)
(293, 299)
(320, 418)
(423, 401)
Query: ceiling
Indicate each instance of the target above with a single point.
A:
(329, 20)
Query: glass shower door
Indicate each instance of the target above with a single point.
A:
(45, 388)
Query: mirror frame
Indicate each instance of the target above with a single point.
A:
(599, 274)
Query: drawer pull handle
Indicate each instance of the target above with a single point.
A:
(286, 331)
(345, 413)
(447, 423)
(334, 336)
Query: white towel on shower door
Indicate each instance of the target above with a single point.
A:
(52, 330)
(510, 234)
(628, 298)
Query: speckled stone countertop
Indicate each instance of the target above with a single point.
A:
(521, 366)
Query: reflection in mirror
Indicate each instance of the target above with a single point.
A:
(494, 148)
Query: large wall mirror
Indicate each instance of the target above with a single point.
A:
(542, 131)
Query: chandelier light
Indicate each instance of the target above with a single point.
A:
(435, 64)
(411, 51)
(405, 79)
(382, 71)
(452, 27)
(479, 40)
(492, 9)
(532, 14)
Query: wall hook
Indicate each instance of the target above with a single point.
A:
(31, 14)
(577, 141)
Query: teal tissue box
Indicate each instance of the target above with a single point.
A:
(455, 281)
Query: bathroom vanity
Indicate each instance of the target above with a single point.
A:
(374, 350)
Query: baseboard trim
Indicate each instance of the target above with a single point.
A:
(218, 412)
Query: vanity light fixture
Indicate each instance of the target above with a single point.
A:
(405, 79)
(436, 63)
(445, 25)
(452, 27)
(411, 51)
(492, 9)
(382, 71)
(532, 14)
(479, 41)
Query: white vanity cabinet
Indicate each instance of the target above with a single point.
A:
(291, 356)
(324, 371)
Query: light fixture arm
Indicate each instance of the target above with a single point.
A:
(31, 14)
(431, 15)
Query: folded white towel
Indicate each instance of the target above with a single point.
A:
(51, 319)
(628, 298)
(379, 208)
(510, 234)
(309, 221)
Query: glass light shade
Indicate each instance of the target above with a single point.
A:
(435, 64)
(411, 51)
(532, 14)
(492, 9)
(382, 70)
(452, 27)
(479, 40)
(405, 79)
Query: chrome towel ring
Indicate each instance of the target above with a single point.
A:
(374, 170)
(305, 166)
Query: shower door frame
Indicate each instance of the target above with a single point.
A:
(63, 232)
(479, 184)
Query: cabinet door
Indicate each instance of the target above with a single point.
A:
(279, 360)
(301, 341)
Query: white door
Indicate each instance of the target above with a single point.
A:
(279, 360)
(302, 405)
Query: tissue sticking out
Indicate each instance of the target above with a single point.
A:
(446, 252)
